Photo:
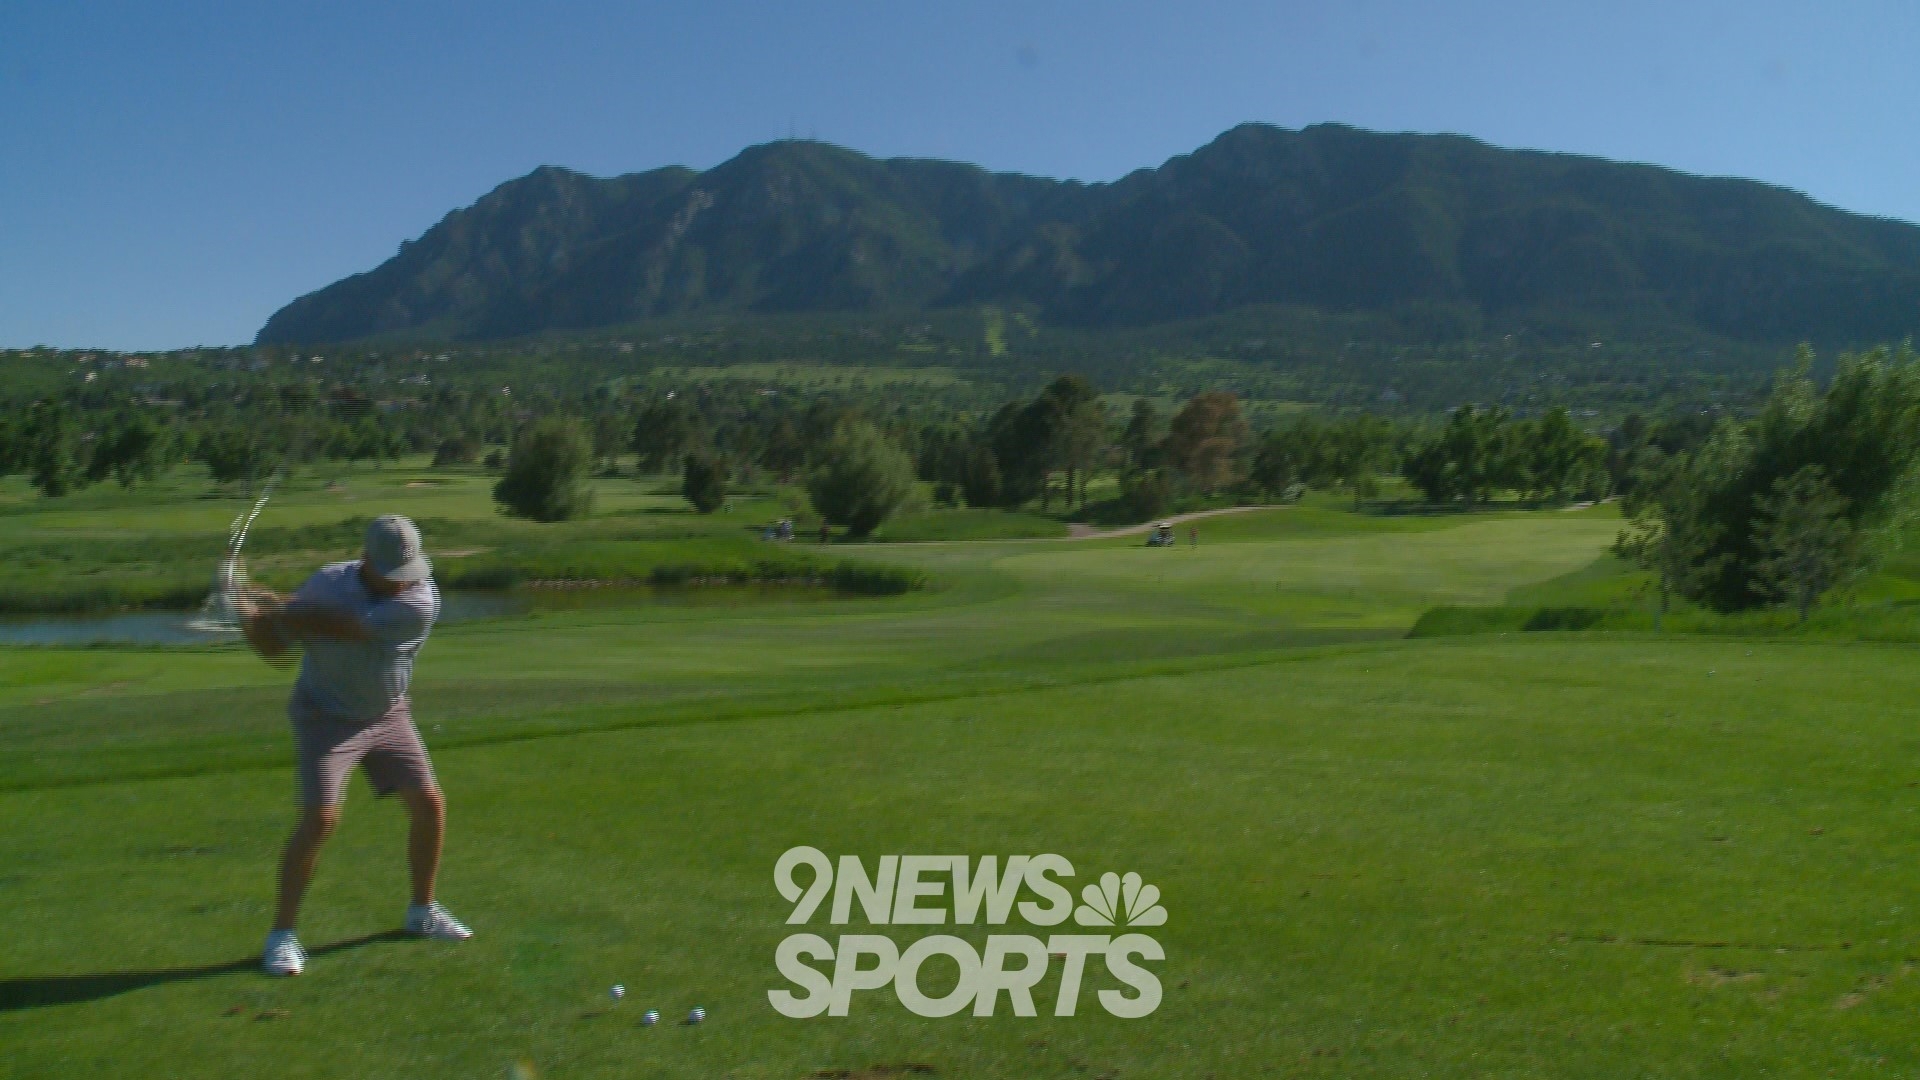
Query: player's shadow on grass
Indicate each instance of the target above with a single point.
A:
(16, 994)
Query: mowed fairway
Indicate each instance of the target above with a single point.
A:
(1522, 855)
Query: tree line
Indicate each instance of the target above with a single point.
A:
(1044, 451)
(1781, 504)
(63, 443)
(1786, 505)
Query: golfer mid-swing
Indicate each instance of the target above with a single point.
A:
(361, 624)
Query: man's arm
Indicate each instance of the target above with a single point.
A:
(315, 622)
(302, 621)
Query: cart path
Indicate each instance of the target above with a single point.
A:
(1080, 530)
(1083, 531)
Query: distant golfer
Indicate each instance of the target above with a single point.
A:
(361, 624)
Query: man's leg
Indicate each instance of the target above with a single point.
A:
(297, 861)
(426, 833)
(323, 754)
(398, 764)
(427, 829)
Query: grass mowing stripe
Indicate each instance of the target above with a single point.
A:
(1394, 834)
(606, 718)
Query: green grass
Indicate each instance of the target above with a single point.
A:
(1575, 854)
(1612, 594)
(157, 546)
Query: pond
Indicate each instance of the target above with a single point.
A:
(177, 627)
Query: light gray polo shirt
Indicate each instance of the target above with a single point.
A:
(361, 681)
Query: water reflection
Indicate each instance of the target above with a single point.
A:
(179, 627)
(182, 627)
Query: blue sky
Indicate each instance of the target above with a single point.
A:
(170, 174)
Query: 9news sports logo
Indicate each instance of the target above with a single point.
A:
(934, 890)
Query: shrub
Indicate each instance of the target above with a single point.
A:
(861, 480)
(546, 476)
(704, 481)
(865, 580)
(458, 450)
(1563, 618)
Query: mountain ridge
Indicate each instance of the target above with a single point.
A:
(1329, 217)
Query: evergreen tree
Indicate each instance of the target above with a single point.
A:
(783, 451)
(861, 479)
(1075, 426)
(1468, 459)
(1667, 531)
(1141, 434)
(663, 433)
(1862, 434)
(547, 471)
(980, 484)
(703, 481)
(1020, 438)
(1806, 543)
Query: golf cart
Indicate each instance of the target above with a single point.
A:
(1161, 536)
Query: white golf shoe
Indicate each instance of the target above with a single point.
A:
(434, 921)
(283, 954)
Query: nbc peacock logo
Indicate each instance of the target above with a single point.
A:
(1120, 901)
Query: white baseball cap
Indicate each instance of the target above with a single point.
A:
(393, 549)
